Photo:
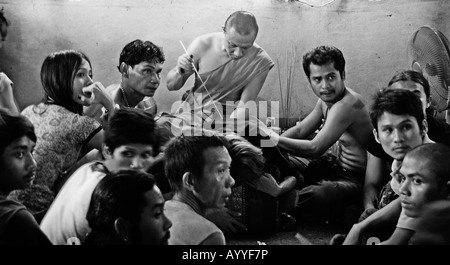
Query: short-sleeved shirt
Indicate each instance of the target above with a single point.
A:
(66, 217)
(189, 227)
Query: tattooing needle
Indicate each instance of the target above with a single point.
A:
(203, 83)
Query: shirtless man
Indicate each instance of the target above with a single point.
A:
(233, 67)
(346, 123)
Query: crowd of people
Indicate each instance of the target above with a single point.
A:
(101, 165)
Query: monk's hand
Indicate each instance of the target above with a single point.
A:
(185, 64)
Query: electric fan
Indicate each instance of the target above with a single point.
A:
(428, 52)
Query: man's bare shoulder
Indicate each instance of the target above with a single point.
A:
(206, 41)
(353, 100)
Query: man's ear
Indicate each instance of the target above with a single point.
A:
(429, 101)
(124, 69)
(424, 127)
(107, 154)
(343, 75)
(121, 228)
(446, 190)
(188, 181)
(375, 135)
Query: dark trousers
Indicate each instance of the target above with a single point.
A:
(330, 192)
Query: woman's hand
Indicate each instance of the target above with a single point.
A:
(94, 97)
(96, 94)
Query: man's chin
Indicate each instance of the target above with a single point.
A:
(133, 168)
(150, 92)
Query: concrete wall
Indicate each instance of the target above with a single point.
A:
(372, 34)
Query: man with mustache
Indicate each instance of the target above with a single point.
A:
(140, 66)
(340, 118)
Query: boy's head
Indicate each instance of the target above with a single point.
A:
(128, 208)
(425, 177)
(200, 165)
(17, 141)
(131, 139)
(398, 120)
(140, 64)
(415, 82)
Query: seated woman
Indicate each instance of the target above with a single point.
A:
(17, 170)
(61, 128)
(275, 193)
(127, 208)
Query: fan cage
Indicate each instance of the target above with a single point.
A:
(429, 49)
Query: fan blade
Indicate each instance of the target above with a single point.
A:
(431, 69)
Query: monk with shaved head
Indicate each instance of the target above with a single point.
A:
(232, 69)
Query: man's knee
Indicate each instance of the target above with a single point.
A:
(327, 197)
(314, 195)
